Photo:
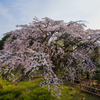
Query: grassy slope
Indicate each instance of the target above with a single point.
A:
(30, 90)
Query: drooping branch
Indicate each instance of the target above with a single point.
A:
(47, 44)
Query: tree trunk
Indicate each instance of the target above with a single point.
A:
(17, 80)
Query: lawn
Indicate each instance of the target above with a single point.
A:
(30, 90)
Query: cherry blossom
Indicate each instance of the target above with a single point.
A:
(43, 44)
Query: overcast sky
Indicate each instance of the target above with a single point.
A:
(13, 12)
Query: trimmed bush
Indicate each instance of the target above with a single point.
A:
(37, 94)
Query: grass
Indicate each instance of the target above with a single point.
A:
(30, 90)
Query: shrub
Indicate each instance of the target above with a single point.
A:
(97, 76)
(11, 92)
(37, 94)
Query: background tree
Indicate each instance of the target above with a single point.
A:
(3, 41)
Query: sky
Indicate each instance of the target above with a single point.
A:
(13, 12)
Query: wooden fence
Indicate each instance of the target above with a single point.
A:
(90, 89)
(85, 87)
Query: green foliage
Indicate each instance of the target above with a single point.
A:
(64, 55)
(70, 93)
(79, 43)
(26, 90)
(37, 94)
(8, 91)
(60, 43)
(97, 76)
(30, 90)
(69, 48)
(1, 44)
(3, 41)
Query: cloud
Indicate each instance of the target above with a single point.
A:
(26, 9)
(5, 13)
(6, 20)
(94, 22)
(74, 10)
(69, 8)
(22, 12)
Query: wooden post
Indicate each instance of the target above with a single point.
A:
(92, 80)
(91, 88)
(80, 85)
